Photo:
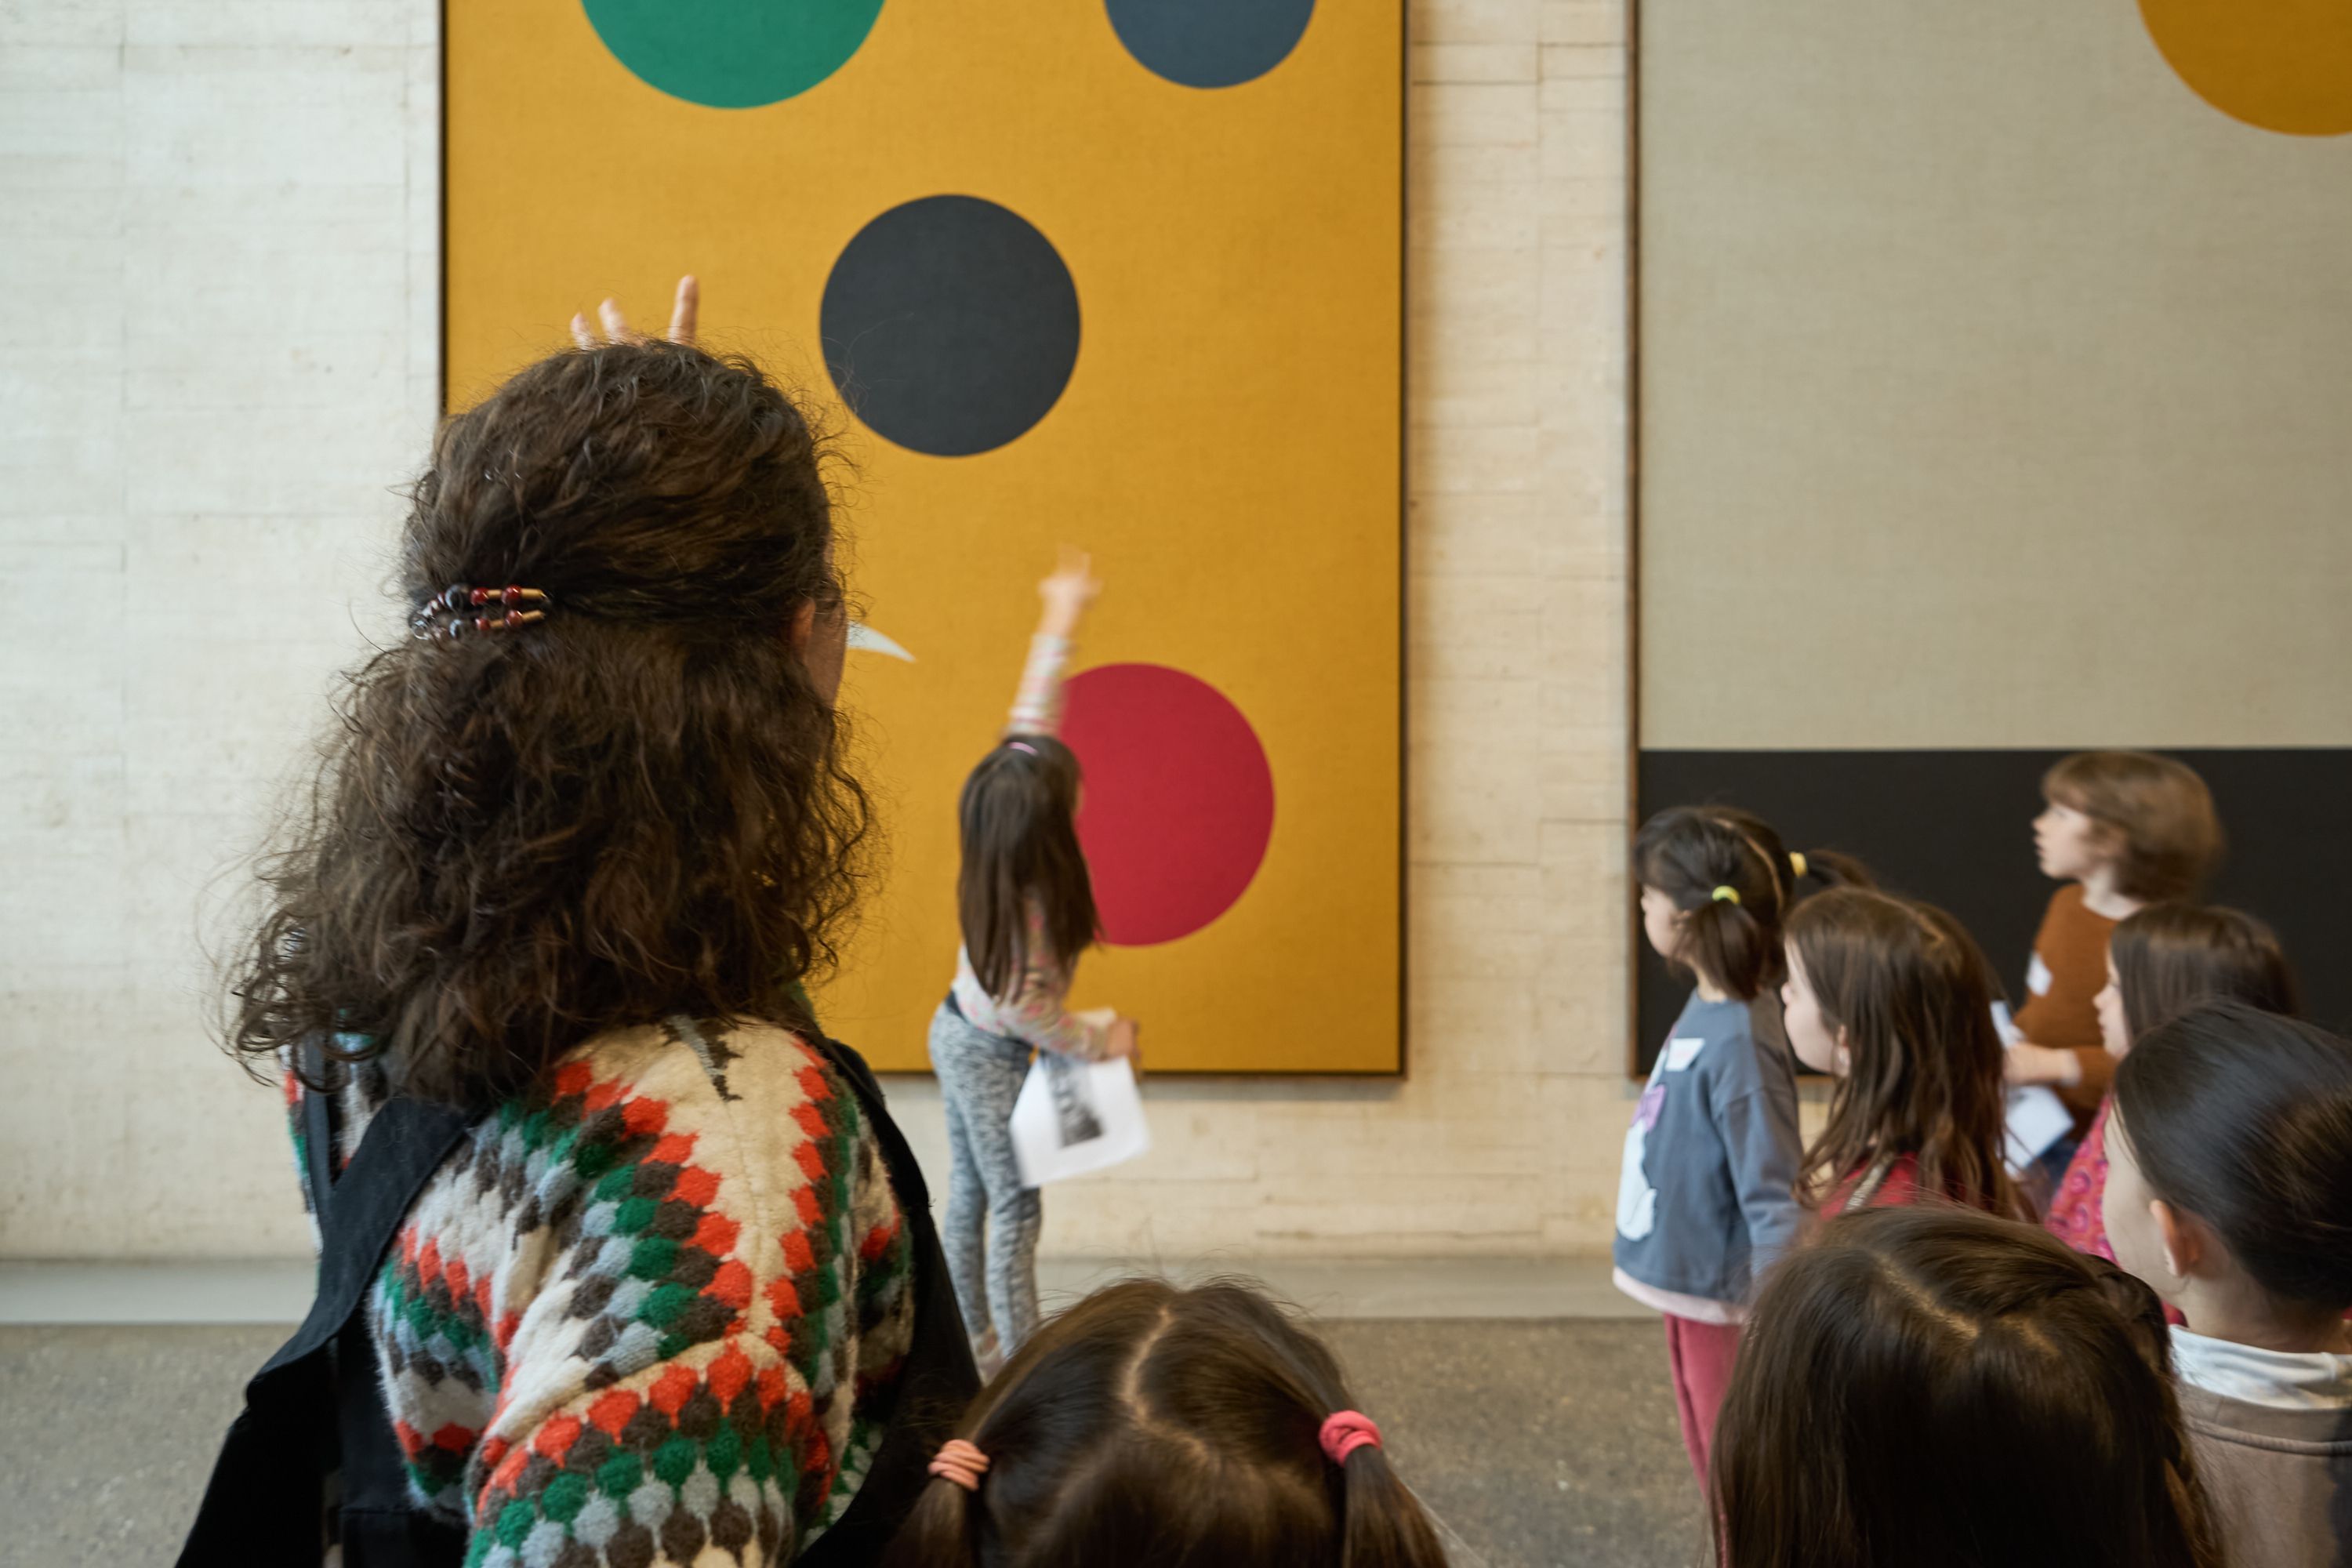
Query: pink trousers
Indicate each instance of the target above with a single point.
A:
(1701, 1356)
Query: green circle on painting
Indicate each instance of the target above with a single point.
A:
(732, 54)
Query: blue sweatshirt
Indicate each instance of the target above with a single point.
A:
(1706, 1200)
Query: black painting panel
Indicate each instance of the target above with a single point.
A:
(1955, 828)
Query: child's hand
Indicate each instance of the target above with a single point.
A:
(683, 315)
(2029, 1063)
(1126, 1041)
(1068, 591)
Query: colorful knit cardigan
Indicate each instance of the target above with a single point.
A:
(643, 1314)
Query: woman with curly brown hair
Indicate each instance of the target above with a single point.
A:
(647, 1271)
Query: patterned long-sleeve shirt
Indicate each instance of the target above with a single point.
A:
(1036, 1012)
(642, 1315)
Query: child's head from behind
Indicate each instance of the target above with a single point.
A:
(1155, 1426)
(633, 809)
(2230, 1165)
(2145, 820)
(1933, 1387)
(1716, 884)
(1894, 997)
(2167, 958)
(1018, 822)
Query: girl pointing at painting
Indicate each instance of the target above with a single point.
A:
(1026, 905)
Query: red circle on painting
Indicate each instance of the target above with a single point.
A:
(1178, 799)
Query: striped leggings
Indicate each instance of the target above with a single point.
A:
(996, 1279)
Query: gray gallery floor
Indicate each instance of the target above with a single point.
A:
(1536, 1442)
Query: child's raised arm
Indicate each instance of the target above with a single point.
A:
(1066, 593)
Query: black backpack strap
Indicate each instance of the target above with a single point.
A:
(939, 1379)
(317, 1149)
(263, 1505)
(407, 1140)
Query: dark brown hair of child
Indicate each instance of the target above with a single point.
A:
(1932, 1387)
(635, 809)
(1686, 852)
(2244, 1119)
(2158, 812)
(2170, 957)
(1914, 994)
(1157, 1428)
(1018, 821)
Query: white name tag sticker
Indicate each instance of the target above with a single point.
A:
(2038, 976)
(1681, 1053)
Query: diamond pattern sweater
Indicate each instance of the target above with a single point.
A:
(643, 1314)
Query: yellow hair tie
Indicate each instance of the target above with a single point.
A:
(1726, 895)
(1796, 862)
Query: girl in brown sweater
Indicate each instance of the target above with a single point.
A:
(2122, 830)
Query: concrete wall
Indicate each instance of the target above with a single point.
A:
(218, 252)
(218, 239)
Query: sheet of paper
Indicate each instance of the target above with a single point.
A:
(2036, 1119)
(1074, 1118)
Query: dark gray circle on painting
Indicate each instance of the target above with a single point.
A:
(950, 325)
(1209, 43)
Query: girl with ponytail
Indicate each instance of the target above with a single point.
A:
(1707, 1196)
(1157, 1428)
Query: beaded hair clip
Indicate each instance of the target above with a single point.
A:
(456, 600)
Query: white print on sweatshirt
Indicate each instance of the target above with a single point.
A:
(1637, 1201)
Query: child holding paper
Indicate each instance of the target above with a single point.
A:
(2122, 830)
(1027, 909)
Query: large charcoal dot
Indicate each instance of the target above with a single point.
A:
(1209, 43)
(950, 325)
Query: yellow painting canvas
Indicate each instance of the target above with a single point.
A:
(1123, 274)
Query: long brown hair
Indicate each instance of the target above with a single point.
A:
(1687, 852)
(1932, 1387)
(2157, 810)
(1157, 1428)
(634, 809)
(1018, 822)
(1914, 994)
(2170, 957)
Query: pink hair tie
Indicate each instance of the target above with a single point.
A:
(960, 1462)
(1021, 746)
(1345, 1431)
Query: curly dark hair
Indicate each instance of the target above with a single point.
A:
(635, 809)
